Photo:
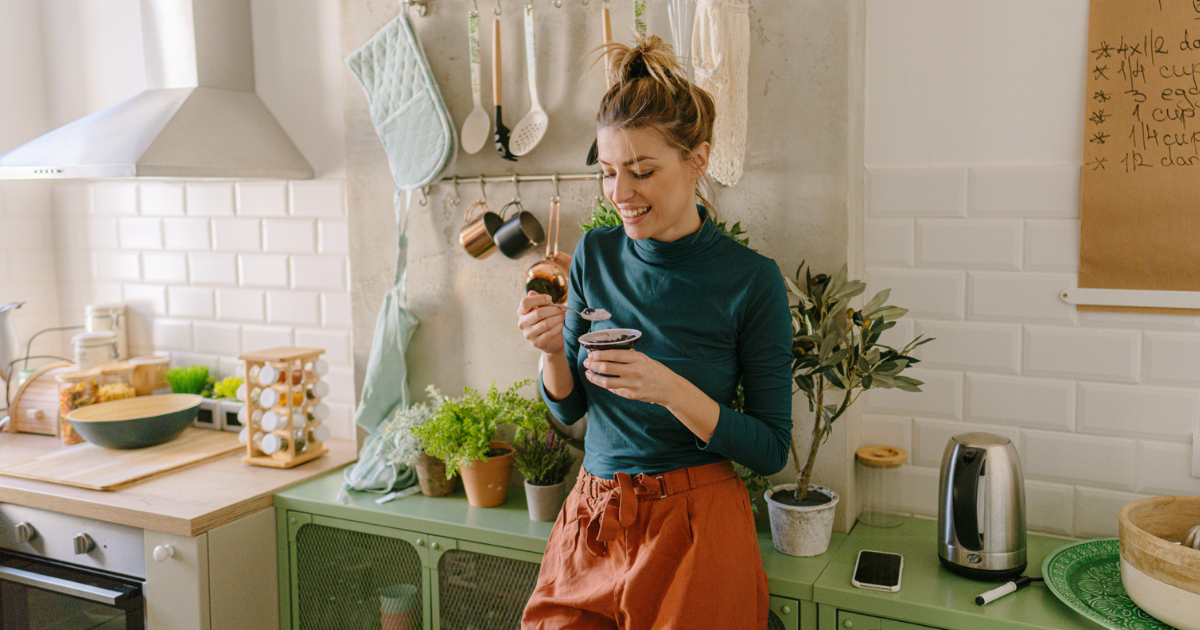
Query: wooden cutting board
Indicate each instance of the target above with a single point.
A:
(98, 468)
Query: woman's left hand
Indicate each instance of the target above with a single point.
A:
(632, 375)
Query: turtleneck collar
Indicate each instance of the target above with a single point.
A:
(653, 251)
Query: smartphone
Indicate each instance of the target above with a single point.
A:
(879, 570)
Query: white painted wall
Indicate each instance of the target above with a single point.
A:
(208, 269)
(974, 140)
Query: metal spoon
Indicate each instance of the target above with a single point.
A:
(589, 313)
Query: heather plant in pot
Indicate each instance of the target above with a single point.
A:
(836, 356)
(402, 446)
(545, 460)
(461, 431)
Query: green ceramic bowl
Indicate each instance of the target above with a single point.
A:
(135, 422)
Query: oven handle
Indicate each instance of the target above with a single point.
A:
(67, 587)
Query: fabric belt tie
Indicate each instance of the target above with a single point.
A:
(617, 506)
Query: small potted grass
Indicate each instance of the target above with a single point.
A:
(545, 460)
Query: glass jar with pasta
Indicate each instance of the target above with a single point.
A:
(76, 389)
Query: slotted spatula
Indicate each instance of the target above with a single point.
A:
(529, 131)
(502, 132)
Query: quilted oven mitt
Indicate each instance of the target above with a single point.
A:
(406, 105)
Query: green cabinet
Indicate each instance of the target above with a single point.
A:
(460, 566)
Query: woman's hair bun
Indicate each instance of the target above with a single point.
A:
(650, 57)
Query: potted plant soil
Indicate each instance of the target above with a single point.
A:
(836, 356)
(544, 459)
(461, 432)
(404, 447)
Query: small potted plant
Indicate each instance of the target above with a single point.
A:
(462, 430)
(835, 351)
(544, 459)
(404, 447)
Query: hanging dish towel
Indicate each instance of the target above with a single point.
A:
(721, 60)
(419, 139)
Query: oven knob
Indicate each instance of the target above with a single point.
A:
(162, 552)
(25, 532)
(83, 544)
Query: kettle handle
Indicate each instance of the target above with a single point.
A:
(965, 499)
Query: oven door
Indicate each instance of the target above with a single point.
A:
(40, 595)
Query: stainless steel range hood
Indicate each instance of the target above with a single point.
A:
(198, 117)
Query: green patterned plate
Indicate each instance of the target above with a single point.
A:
(1087, 577)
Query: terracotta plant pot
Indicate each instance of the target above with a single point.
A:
(431, 474)
(801, 530)
(486, 481)
(545, 502)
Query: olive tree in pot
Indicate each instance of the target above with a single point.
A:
(462, 431)
(836, 356)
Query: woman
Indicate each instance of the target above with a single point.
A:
(658, 531)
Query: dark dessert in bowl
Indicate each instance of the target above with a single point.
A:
(610, 339)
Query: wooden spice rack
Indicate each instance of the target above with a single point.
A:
(288, 361)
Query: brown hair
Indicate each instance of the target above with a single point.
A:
(651, 89)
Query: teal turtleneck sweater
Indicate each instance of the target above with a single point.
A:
(709, 309)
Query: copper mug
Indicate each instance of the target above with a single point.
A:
(477, 236)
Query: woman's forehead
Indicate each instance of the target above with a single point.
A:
(618, 147)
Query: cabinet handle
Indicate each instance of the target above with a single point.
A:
(162, 552)
(848, 623)
(435, 546)
(420, 542)
(786, 610)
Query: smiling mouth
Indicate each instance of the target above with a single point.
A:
(633, 213)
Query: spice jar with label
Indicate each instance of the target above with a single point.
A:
(93, 349)
(75, 389)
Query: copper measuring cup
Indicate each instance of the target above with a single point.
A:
(550, 274)
(477, 236)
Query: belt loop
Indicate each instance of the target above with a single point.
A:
(662, 486)
(693, 482)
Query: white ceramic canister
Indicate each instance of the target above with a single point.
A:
(109, 317)
(93, 349)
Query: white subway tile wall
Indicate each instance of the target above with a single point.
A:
(1101, 406)
(208, 270)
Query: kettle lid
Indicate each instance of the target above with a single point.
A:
(981, 439)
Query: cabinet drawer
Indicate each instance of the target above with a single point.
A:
(855, 621)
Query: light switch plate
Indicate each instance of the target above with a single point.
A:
(1196, 454)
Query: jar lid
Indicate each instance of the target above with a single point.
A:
(150, 360)
(118, 369)
(98, 338)
(104, 308)
(880, 456)
(77, 376)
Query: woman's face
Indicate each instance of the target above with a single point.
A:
(650, 183)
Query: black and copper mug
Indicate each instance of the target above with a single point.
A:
(520, 233)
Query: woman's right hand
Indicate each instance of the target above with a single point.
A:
(541, 323)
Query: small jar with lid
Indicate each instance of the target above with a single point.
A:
(150, 374)
(93, 349)
(116, 382)
(75, 389)
(877, 466)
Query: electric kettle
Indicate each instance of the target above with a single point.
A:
(9, 346)
(981, 508)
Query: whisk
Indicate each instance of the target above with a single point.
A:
(1193, 538)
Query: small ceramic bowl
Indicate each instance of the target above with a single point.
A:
(1161, 576)
(611, 339)
(135, 422)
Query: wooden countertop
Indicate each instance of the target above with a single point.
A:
(185, 502)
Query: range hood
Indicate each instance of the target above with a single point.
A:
(199, 116)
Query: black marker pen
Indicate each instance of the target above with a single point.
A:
(1002, 590)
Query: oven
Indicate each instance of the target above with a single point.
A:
(63, 572)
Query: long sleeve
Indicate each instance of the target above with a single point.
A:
(570, 409)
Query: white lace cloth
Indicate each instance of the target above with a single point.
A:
(721, 59)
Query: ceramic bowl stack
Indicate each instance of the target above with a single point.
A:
(1162, 576)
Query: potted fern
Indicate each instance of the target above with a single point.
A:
(404, 447)
(461, 431)
(836, 357)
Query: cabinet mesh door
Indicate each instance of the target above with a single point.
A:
(480, 592)
(774, 622)
(341, 574)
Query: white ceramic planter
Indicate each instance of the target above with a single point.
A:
(545, 502)
(801, 530)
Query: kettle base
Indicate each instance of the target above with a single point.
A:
(984, 575)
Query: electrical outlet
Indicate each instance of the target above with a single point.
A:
(1196, 454)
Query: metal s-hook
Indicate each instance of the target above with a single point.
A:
(457, 197)
(516, 179)
(424, 196)
(555, 180)
(422, 8)
(482, 191)
(497, 9)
